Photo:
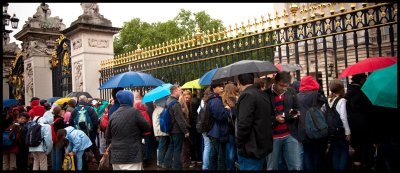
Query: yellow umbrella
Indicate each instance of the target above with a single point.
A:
(194, 84)
(61, 101)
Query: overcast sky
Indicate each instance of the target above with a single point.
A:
(118, 13)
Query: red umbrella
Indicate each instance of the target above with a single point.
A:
(368, 65)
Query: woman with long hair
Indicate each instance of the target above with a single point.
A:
(184, 100)
(229, 98)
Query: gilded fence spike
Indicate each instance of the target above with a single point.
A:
(285, 17)
(331, 5)
(322, 9)
(303, 12)
(353, 6)
(294, 8)
(364, 4)
(277, 19)
(342, 9)
(243, 28)
(262, 22)
(312, 9)
(248, 26)
(270, 21)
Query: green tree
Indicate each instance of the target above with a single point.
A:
(137, 32)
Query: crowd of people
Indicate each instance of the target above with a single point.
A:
(253, 124)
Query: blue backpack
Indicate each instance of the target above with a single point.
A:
(165, 118)
(9, 138)
(82, 120)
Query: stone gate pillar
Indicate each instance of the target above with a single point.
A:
(91, 38)
(38, 37)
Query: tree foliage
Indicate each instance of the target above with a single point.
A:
(147, 34)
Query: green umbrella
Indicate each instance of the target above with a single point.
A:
(381, 87)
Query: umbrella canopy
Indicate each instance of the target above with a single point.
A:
(194, 84)
(368, 65)
(206, 78)
(381, 87)
(157, 93)
(61, 101)
(77, 94)
(9, 102)
(288, 67)
(131, 79)
(245, 66)
(53, 99)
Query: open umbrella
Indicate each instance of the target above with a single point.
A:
(381, 87)
(9, 102)
(131, 79)
(206, 78)
(61, 101)
(288, 67)
(368, 65)
(77, 94)
(157, 93)
(53, 99)
(258, 68)
(194, 84)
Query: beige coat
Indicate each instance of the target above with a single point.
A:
(156, 122)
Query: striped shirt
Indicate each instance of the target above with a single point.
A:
(281, 130)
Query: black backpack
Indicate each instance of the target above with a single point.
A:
(34, 136)
(335, 125)
(204, 121)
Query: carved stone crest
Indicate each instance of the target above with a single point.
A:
(76, 44)
(98, 43)
(78, 78)
(29, 80)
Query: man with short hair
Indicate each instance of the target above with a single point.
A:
(254, 131)
(178, 131)
(287, 148)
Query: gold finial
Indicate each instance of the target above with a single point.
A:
(364, 4)
(198, 32)
(312, 9)
(255, 24)
(277, 19)
(285, 17)
(262, 22)
(269, 21)
(243, 28)
(322, 9)
(342, 9)
(248, 26)
(236, 29)
(353, 6)
(303, 12)
(294, 8)
(331, 5)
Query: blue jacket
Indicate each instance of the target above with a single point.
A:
(45, 131)
(220, 114)
(78, 140)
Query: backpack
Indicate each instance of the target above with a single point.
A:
(82, 120)
(9, 138)
(335, 125)
(165, 118)
(204, 121)
(34, 135)
(315, 123)
(53, 132)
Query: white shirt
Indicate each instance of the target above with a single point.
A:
(341, 109)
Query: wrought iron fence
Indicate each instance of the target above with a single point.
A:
(323, 45)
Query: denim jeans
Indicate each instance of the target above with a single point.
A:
(79, 158)
(286, 151)
(162, 148)
(231, 153)
(217, 155)
(56, 158)
(174, 151)
(339, 154)
(247, 163)
(206, 151)
(313, 156)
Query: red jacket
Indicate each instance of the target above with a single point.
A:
(142, 109)
(37, 109)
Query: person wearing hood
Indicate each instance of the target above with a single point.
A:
(44, 148)
(313, 150)
(78, 142)
(125, 132)
(116, 104)
(36, 109)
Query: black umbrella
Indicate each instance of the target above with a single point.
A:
(258, 68)
(77, 94)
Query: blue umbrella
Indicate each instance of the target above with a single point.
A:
(131, 79)
(53, 99)
(9, 102)
(207, 77)
(157, 93)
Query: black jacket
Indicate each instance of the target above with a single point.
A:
(177, 119)
(254, 125)
(125, 131)
(289, 102)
